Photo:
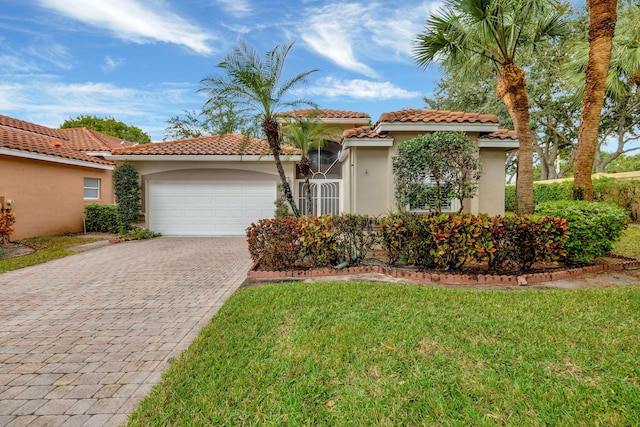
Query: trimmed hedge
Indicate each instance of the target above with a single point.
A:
(101, 218)
(594, 227)
(437, 241)
(621, 192)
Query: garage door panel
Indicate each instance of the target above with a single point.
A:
(208, 208)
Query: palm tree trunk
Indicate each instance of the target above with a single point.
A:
(512, 90)
(271, 130)
(602, 24)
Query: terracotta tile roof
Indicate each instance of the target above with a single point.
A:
(501, 134)
(215, 145)
(17, 139)
(30, 127)
(90, 140)
(363, 132)
(326, 114)
(437, 116)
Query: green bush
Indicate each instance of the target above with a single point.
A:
(101, 218)
(622, 192)
(139, 234)
(593, 226)
(354, 236)
(126, 184)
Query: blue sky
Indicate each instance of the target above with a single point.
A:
(141, 61)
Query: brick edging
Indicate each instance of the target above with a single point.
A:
(447, 278)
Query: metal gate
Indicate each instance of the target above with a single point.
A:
(325, 197)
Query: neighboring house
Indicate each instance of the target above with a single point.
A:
(50, 175)
(218, 185)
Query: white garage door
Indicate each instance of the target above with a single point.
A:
(208, 208)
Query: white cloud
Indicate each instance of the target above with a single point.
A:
(111, 64)
(354, 34)
(50, 101)
(401, 27)
(236, 7)
(135, 21)
(359, 89)
(331, 32)
(16, 64)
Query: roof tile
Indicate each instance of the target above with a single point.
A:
(426, 116)
(31, 127)
(364, 132)
(90, 140)
(215, 145)
(501, 134)
(326, 114)
(17, 139)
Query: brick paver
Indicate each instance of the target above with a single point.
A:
(84, 338)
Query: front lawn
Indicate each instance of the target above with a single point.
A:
(47, 248)
(629, 244)
(381, 354)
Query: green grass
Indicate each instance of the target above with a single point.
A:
(380, 354)
(629, 245)
(47, 249)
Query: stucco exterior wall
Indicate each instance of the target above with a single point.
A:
(492, 182)
(374, 192)
(49, 197)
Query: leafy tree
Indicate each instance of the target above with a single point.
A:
(214, 119)
(472, 35)
(306, 134)
(108, 126)
(126, 184)
(602, 24)
(623, 163)
(449, 159)
(253, 86)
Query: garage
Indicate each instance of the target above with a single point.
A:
(208, 208)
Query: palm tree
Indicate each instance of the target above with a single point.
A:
(306, 134)
(602, 25)
(474, 34)
(252, 85)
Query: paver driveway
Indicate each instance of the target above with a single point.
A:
(84, 338)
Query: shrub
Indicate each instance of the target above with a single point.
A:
(101, 218)
(127, 189)
(139, 234)
(594, 227)
(354, 236)
(394, 236)
(318, 240)
(275, 242)
(7, 219)
(622, 192)
(516, 243)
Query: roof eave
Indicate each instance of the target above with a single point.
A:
(199, 158)
(435, 126)
(508, 144)
(53, 159)
(367, 142)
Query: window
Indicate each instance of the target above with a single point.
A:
(91, 188)
(447, 205)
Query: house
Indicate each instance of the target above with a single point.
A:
(48, 176)
(218, 185)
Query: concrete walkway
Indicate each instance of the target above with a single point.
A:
(84, 338)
